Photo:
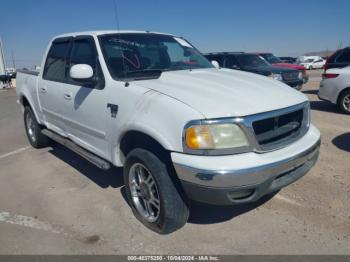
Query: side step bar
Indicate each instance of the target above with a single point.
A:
(97, 161)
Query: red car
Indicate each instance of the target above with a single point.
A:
(277, 62)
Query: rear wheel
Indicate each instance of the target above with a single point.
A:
(344, 102)
(33, 130)
(152, 195)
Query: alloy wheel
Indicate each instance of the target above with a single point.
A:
(346, 103)
(144, 192)
(30, 127)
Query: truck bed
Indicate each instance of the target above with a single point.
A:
(26, 85)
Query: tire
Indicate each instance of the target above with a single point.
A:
(172, 212)
(33, 130)
(344, 102)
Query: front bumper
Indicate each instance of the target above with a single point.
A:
(242, 178)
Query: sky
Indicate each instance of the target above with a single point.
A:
(285, 28)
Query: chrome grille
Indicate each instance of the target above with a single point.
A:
(275, 131)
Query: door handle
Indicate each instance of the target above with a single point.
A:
(68, 96)
(43, 89)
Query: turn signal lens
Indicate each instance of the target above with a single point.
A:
(199, 137)
(215, 136)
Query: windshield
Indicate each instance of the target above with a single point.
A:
(272, 59)
(251, 60)
(140, 54)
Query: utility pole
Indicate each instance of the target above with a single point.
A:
(2, 59)
(13, 59)
(340, 44)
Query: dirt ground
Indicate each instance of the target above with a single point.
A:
(54, 202)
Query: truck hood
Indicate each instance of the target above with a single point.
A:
(223, 92)
(292, 66)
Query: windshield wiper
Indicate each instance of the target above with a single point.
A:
(146, 71)
(142, 74)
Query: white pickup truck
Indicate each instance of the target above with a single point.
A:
(181, 128)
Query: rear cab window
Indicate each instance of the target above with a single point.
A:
(56, 62)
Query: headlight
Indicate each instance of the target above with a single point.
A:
(215, 136)
(277, 77)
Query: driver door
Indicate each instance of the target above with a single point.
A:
(85, 105)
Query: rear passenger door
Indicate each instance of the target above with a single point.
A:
(85, 105)
(52, 84)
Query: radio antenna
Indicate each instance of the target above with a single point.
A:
(116, 16)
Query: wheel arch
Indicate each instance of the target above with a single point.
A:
(134, 138)
(25, 101)
(346, 89)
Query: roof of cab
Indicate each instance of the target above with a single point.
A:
(105, 32)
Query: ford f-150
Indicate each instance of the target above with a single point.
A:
(180, 128)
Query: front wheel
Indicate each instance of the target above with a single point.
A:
(344, 102)
(152, 195)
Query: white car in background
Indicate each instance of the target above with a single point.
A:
(314, 64)
(335, 87)
(302, 59)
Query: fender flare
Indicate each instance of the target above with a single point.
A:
(23, 96)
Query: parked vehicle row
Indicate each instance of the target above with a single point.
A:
(181, 128)
(255, 64)
(274, 60)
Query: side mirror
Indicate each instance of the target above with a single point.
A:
(81, 73)
(215, 64)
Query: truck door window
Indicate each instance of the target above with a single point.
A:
(84, 52)
(55, 66)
